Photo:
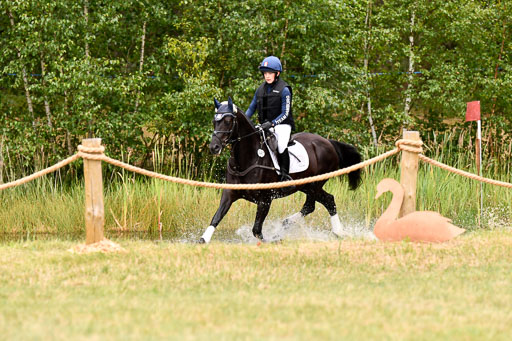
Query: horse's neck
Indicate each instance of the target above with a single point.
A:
(245, 151)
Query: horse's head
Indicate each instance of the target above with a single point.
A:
(224, 125)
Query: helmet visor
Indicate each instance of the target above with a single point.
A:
(267, 69)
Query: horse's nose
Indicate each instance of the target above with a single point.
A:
(215, 148)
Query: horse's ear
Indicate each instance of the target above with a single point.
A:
(217, 104)
(230, 104)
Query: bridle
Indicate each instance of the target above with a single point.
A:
(219, 117)
(230, 140)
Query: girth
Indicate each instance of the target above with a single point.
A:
(245, 172)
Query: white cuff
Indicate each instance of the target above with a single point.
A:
(207, 235)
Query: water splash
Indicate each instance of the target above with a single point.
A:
(357, 229)
(276, 230)
(497, 217)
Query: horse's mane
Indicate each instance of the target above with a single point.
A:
(241, 113)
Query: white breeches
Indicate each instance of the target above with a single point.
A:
(282, 132)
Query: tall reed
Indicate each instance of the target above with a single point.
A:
(148, 206)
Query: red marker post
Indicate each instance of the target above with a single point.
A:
(473, 114)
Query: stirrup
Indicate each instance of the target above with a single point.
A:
(288, 189)
(285, 177)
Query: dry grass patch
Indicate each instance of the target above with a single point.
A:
(351, 289)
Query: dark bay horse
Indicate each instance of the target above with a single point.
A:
(246, 165)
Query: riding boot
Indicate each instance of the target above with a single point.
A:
(284, 166)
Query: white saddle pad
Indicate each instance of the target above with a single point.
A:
(299, 160)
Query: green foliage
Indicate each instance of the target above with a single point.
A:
(143, 74)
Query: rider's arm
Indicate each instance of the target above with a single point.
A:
(286, 104)
(252, 107)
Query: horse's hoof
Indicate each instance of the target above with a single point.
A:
(259, 236)
(201, 241)
(287, 224)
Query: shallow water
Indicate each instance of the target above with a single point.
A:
(273, 231)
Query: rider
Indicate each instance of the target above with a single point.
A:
(273, 100)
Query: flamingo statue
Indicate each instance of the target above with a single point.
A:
(419, 226)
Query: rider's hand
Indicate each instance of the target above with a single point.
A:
(266, 125)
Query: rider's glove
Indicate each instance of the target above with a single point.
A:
(266, 125)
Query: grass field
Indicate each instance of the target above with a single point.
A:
(299, 290)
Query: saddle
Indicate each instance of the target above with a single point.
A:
(299, 160)
(271, 141)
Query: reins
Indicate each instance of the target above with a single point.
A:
(240, 138)
(234, 141)
(250, 168)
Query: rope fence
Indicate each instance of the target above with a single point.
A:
(463, 173)
(255, 186)
(92, 152)
(40, 173)
(97, 154)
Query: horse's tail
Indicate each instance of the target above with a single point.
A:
(348, 156)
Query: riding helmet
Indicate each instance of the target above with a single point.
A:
(271, 64)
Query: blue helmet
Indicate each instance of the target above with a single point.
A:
(271, 64)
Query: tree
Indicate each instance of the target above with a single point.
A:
(141, 74)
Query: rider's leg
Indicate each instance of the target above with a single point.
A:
(284, 165)
(283, 132)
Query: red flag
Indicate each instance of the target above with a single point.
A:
(473, 111)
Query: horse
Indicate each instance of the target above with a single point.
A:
(249, 163)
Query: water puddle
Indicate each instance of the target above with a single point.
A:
(276, 231)
(273, 231)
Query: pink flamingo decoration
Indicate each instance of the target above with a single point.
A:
(419, 226)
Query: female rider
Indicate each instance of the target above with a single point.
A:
(273, 101)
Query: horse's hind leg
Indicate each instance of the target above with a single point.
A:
(261, 214)
(307, 208)
(327, 200)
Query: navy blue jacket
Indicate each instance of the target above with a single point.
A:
(280, 114)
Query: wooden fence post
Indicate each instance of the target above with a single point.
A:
(94, 210)
(409, 175)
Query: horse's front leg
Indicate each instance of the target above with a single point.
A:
(261, 214)
(228, 198)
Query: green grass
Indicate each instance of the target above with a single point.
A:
(351, 290)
